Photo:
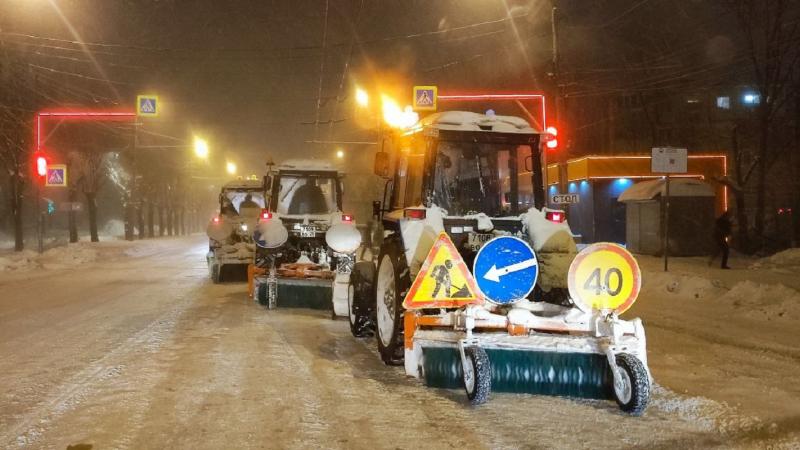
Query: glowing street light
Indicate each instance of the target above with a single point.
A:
(200, 148)
(230, 167)
(396, 117)
(362, 98)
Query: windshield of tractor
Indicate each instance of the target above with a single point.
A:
(248, 202)
(472, 178)
(306, 194)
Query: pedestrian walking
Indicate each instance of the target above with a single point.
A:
(722, 233)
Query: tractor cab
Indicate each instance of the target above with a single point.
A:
(471, 175)
(468, 164)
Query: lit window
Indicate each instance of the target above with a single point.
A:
(724, 102)
(751, 99)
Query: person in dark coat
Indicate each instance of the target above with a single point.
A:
(722, 232)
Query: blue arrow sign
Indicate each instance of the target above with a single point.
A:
(506, 269)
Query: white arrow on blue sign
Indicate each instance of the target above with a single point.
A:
(506, 269)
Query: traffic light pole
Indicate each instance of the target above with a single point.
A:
(39, 221)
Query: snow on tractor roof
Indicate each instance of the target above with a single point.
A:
(306, 164)
(470, 121)
(243, 183)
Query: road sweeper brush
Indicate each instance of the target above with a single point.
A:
(509, 344)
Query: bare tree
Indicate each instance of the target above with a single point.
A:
(91, 171)
(770, 31)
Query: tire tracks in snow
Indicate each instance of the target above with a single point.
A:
(71, 393)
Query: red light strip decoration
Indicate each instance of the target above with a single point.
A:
(511, 96)
(79, 115)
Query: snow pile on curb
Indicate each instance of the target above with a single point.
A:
(768, 301)
(786, 259)
(24, 260)
(683, 286)
(755, 300)
(67, 256)
(55, 258)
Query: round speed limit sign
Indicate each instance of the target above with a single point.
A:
(604, 276)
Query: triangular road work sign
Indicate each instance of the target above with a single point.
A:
(443, 280)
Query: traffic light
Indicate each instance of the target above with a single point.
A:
(41, 163)
(552, 138)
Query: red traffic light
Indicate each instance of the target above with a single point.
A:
(551, 137)
(41, 164)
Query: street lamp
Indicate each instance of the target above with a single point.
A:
(362, 98)
(231, 168)
(200, 148)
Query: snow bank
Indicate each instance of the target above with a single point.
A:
(67, 256)
(768, 301)
(786, 259)
(24, 260)
(55, 258)
(746, 298)
(682, 286)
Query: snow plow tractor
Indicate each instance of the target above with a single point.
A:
(473, 283)
(305, 245)
(230, 241)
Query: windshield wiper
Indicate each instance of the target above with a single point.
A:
(480, 175)
(290, 189)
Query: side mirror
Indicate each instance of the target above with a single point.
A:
(381, 167)
(376, 209)
(529, 163)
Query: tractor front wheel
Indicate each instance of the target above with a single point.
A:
(360, 300)
(631, 385)
(477, 375)
(391, 285)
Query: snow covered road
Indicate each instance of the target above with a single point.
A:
(143, 351)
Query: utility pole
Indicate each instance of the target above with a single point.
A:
(561, 156)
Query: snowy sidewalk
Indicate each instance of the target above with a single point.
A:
(730, 336)
(84, 252)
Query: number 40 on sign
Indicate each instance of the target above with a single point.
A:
(604, 277)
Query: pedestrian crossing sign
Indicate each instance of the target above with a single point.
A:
(425, 98)
(56, 175)
(443, 281)
(147, 105)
